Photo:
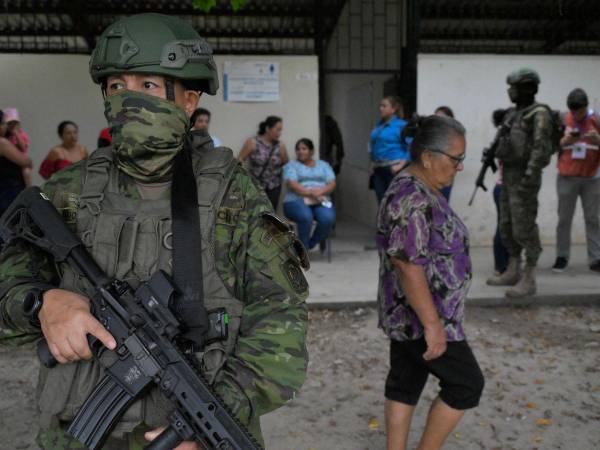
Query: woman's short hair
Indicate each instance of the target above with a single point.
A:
(197, 113)
(577, 99)
(430, 133)
(306, 141)
(268, 123)
(64, 124)
(445, 110)
(396, 103)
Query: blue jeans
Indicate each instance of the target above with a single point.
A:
(304, 215)
(500, 252)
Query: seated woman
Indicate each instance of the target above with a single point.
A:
(309, 184)
(68, 152)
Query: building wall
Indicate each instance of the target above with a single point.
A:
(363, 52)
(353, 101)
(473, 86)
(50, 88)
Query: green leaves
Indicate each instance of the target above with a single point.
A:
(204, 5)
(237, 4)
(207, 5)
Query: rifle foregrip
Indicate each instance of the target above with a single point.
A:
(167, 440)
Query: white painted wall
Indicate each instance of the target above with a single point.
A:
(50, 88)
(473, 86)
(47, 89)
(298, 104)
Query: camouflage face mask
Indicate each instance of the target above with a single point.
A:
(147, 133)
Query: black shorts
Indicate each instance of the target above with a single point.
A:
(461, 380)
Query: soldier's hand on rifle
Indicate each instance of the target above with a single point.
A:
(66, 321)
(186, 445)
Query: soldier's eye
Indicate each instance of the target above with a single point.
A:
(150, 85)
(115, 86)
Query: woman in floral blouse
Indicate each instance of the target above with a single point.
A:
(425, 274)
(265, 157)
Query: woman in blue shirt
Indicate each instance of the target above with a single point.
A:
(309, 184)
(388, 154)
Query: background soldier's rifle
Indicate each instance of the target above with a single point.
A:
(488, 161)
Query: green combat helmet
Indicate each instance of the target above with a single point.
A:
(523, 75)
(155, 44)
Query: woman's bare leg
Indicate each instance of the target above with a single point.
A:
(441, 420)
(397, 424)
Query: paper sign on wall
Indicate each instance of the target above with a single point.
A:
(251, 81)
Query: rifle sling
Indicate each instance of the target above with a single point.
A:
(187, 247)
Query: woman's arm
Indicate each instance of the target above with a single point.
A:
(284, 154)
(248, 147)
(12, 153)
(48, 166)
(414, 284)
(328, 188)
(299, 189)
(21, 144)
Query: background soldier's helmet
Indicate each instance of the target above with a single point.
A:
(522, 76)
(155, 44)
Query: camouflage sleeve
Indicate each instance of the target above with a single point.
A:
(269, 362)
(541, 150)
(23, 267)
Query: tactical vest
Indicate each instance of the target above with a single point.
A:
(130, 239)
(514, 147)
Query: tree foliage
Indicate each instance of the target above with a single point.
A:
(207, 5)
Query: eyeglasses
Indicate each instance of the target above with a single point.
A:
(458, 160)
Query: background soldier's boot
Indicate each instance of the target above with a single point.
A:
(526, 285)
(509, 277)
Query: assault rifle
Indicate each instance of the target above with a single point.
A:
(148, 338)
(488, 160)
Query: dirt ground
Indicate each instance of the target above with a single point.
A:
(542, 390)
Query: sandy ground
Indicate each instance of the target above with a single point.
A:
(542, 385)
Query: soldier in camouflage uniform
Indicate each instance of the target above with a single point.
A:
(524, 151)
(152, 69)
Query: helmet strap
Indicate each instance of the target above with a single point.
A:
(170, 89)
(103, 88)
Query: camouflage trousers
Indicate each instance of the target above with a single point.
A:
(58, 439)
(518, 213)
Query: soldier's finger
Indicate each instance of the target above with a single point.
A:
(151, 435)
(96, 329)
(67, 352)
(80, 346)
(57, 354)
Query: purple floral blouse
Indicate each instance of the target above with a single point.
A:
(417, 225)
(267, 170)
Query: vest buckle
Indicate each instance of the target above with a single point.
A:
(92, 201)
